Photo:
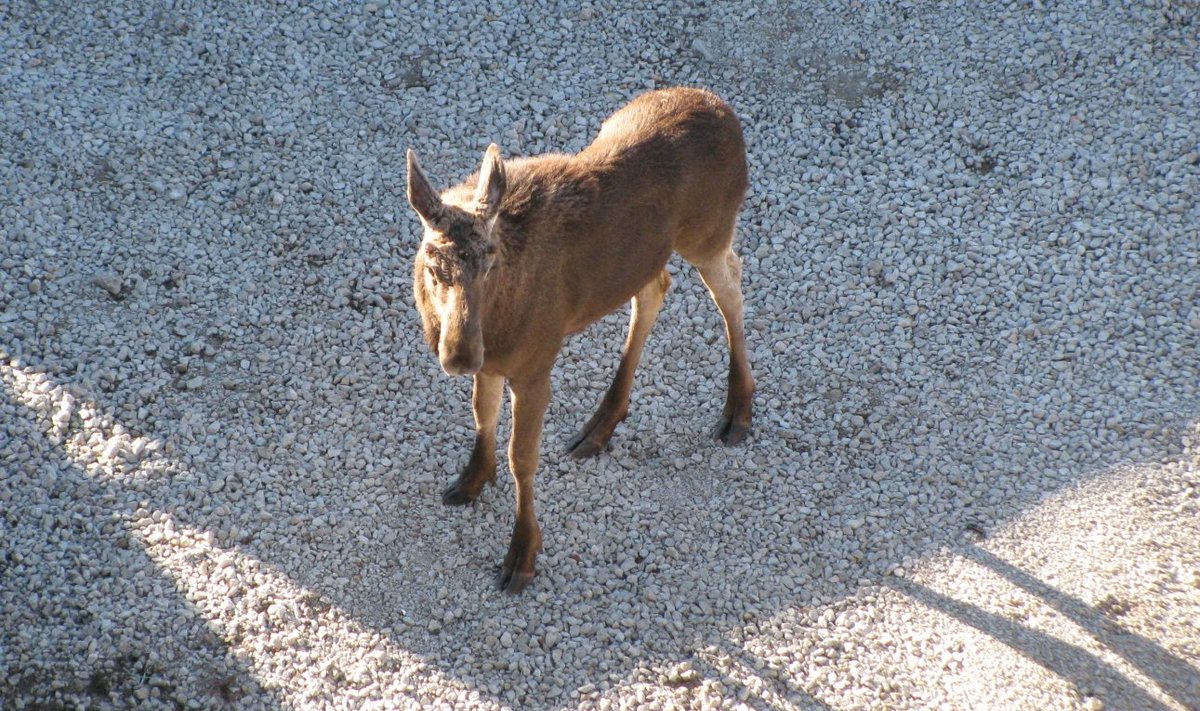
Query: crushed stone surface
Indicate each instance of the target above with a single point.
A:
(972, 280)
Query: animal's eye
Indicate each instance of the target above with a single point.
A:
(431, 272)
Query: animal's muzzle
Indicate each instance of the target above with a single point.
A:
(461, 364)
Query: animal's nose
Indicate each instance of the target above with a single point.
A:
(461, 365)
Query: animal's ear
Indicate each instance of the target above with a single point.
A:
(421, 195)
(489, 192)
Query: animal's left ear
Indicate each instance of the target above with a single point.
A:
(489, 192)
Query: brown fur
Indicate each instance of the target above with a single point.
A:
(530, 250)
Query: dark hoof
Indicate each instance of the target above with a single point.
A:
(581, 448)
(730, 433)
(594, 436)
(455, 496)
(512, 582)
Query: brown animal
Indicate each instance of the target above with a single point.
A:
(530, 250)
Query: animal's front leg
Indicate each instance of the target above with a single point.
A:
(529, 400)
(481, 467)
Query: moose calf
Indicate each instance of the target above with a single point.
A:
(530, 250)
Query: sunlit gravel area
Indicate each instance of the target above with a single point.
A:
(972, 280)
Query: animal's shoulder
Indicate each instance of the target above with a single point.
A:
(547, 182)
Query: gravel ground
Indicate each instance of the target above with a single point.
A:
(972, 275)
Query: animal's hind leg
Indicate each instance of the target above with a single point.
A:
(615, 405)
(723, 277)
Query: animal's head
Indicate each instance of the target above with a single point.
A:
(456, 254)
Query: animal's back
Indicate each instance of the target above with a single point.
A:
(682, 151)
(666, 123)
(670, 175)
(667, 172)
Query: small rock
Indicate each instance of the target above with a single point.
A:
(110, 282)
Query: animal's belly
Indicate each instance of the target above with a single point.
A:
(599, 303)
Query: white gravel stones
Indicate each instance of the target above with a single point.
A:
(971, 276)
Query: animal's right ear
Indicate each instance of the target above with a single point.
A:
(421, 195)
(492, 183)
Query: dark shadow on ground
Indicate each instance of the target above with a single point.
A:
(437, 567)
(1078, 666)
(1177, 678)
(772, 690)
(98, 597)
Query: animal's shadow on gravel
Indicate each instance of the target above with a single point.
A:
(112, 604)
(1177, 678)
(625, 592)
(1078, 666)
(680, 567)
(735, 665)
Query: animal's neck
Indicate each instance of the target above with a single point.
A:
(547, 196)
